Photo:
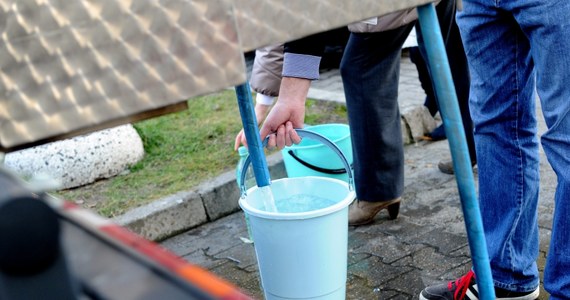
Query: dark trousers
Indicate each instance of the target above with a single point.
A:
(458, 64)
(370, 70)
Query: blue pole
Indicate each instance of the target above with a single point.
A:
(449, 109)
(255, 147)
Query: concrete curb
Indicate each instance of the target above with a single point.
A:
(211, 200)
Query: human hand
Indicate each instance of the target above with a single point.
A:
(240, 140)
(287, 114)
(260, 114)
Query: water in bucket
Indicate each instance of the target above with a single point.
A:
(249, 179)
(302, 203)
(268, 199)
(246, 178)
(294, 204)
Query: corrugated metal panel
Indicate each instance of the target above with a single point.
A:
(267, 22)
(72, 67)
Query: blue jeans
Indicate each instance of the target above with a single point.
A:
(513, 47)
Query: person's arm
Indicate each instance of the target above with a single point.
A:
(300, 67)
(266, 71)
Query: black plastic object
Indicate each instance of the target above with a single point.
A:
(32, 264)
(317, 168)
(29, 236)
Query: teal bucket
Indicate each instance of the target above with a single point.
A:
(311, 158)
(301, 248)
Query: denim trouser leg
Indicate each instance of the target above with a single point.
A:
(503, 113)
(504, 42)
(370, 70)
(547, 24)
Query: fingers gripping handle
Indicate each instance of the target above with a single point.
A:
(314, 136)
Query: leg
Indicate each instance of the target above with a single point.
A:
(370, 72)
(458, 65)
(550, 42)
(425, 80)
(502, 107)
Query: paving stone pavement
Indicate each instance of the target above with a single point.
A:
(388, 259)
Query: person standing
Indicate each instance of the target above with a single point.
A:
(446, 13)
(517, 50)
(370, 69)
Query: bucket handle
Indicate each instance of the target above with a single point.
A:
(311, 135)
(316, 168)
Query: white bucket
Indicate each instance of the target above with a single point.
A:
(301, 254)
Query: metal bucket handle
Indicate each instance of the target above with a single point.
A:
(312, 135)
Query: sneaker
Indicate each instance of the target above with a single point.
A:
(466, 288)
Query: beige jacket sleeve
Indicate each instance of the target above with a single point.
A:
(266, 70)
(386, 22)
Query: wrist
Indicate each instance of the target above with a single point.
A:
(294, 90)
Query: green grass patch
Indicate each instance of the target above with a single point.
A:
(182, 150)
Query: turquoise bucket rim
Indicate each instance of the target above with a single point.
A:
(349, 198)
(298, 146)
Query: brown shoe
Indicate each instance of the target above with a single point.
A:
(446, 166)
(363, 212)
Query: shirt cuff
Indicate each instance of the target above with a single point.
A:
(263, 99)
(301, 66)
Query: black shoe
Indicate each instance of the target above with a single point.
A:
(446, 166)
(466, 288)
(437, 134)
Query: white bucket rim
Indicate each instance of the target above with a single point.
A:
(351, 195)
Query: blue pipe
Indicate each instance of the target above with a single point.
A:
(449, 109)
(250, 128)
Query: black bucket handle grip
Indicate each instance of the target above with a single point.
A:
(317, 168)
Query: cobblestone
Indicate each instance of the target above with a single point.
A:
(388, 259)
